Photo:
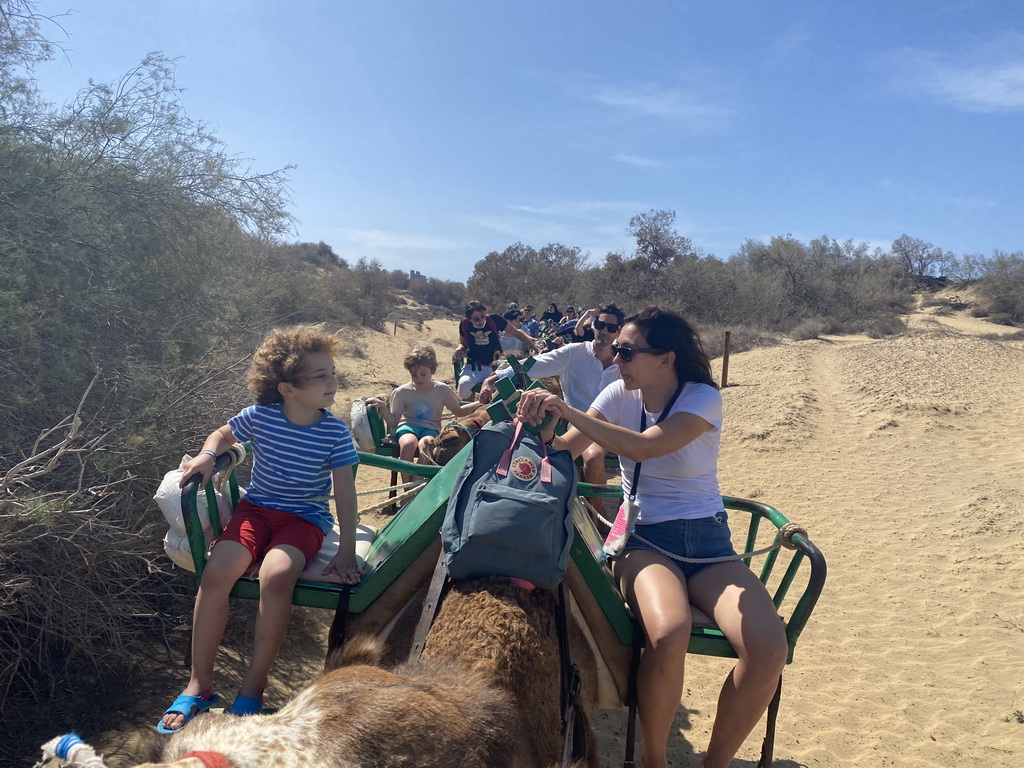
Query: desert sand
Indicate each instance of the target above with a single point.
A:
(904, 460)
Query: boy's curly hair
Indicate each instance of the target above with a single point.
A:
(421, 356)
(280, 356)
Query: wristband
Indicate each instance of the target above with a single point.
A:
(209, 453)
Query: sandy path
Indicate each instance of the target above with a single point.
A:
(904, 460)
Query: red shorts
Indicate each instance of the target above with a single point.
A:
(259, 529)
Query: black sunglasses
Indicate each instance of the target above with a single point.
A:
(601, 325)
(626, 353)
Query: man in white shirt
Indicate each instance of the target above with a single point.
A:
(583, 370)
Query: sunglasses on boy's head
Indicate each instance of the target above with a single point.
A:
(626, 353)
(601, 325)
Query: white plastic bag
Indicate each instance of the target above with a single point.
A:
(359, 424)
(176, 547)
(168, 499)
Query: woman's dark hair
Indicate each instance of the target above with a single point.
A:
(553, 306)
(668, 330)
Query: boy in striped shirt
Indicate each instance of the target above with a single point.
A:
(299, 448)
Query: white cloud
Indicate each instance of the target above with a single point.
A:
(691, 103)
(989, 78)
(383, 240)
(579, 209)
(639, 162)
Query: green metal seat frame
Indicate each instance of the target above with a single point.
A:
(779, 572)
(395, 546)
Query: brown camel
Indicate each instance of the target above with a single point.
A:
(485, 694)
(453, 437)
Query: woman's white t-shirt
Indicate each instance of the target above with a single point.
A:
(681, 484)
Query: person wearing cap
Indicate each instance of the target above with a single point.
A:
(583, 370)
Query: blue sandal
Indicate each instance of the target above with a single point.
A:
(246, 705)
(188, 707)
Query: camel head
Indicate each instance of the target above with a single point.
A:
(454, 436)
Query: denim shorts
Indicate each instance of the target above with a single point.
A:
(415, 430)
(702, 537)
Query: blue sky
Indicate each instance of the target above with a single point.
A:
(429, 133)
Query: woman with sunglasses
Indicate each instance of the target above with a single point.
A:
(666, 413)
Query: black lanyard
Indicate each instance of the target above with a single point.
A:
(643, 427)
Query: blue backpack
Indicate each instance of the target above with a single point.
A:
(509, 510)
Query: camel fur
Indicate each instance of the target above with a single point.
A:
(484, 694)
(453, 437)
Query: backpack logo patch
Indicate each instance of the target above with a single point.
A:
(524, 468)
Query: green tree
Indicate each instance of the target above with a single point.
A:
(523, 274)
(921, 259)
(657, 242)
(1002, 286)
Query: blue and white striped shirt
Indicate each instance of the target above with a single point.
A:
(291, 469)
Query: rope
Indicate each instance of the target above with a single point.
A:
(391, 488)
(388, 502)
(783, 538)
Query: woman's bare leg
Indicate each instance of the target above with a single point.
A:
(743, 610)
(656, 592)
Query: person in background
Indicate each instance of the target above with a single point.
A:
(480, 345)
(510, 343)
(416, 407)
(666, 413)
(552, 315)
(583, 370)
(528, 322)
(567, 326)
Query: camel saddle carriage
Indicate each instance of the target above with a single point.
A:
(400, 559)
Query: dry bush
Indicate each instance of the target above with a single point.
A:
(812, 328)
(889, 325)
(1002, 318)
(1018, 336)
(741, 339)
(86, 596)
